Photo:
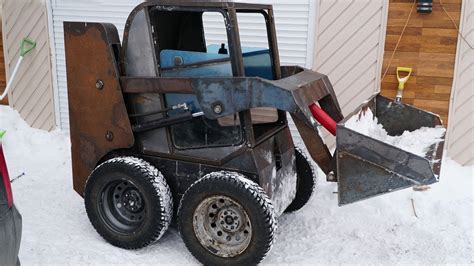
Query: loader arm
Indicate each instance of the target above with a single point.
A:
(364, 167)
(222, 96)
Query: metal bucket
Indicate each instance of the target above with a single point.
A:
(367, 167)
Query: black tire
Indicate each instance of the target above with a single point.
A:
(305, 182)
(231, 189)
(128, 202)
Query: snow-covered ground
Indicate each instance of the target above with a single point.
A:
(383, 230)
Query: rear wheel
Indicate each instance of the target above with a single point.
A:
(225, 218)
(305, 182)
(128, 202)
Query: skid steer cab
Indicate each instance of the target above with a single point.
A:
(186, 120)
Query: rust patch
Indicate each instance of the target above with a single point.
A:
(93, 112)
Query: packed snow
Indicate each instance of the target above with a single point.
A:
(417, 142)
(382, 230)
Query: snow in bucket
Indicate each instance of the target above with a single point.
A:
(417, 142)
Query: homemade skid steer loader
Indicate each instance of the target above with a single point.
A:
(163, 125)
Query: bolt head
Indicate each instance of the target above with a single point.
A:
(178, 61)
(99, 84)
(331, 177)
(109, 135)
(217, 109)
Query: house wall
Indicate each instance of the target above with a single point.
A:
(32, 93)
(349, 48)
(461, 115)
(429, 47)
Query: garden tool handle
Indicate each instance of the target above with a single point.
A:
(27, 45)
(402, 81)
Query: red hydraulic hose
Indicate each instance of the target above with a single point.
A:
(323, 118)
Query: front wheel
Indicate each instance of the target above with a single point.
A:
(224, 218)
(128, 202)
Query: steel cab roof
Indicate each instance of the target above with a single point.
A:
(219, 4)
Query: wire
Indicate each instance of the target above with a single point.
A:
(456, 26)
(398, 42)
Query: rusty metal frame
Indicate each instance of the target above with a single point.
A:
(94, 91)
(248, 92)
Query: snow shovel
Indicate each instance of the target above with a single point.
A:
(27, 45)
(402, 81)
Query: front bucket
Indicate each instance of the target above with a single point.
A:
(368, 166)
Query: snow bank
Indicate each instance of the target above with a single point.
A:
(416, 142)
(382, 230)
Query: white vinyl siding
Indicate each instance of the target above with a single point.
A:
(460, 143)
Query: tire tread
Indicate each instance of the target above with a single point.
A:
(154, 177)
(245, 185)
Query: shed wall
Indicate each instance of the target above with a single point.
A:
(349, 48)
(32, 93)
(461, 115)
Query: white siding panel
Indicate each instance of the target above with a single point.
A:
(292, 23)
(460, 136)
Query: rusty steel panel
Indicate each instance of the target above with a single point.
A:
(98, 117)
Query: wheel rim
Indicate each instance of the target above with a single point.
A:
(222, 226)
(122, 206)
